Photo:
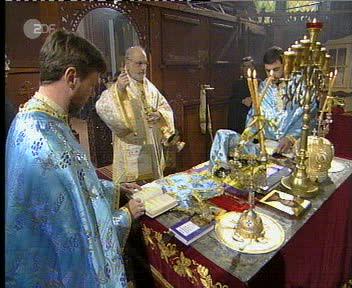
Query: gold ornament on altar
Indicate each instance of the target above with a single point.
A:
(320, 150)
(320, 155)
(249, 226)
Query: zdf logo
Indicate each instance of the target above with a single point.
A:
(33, 28)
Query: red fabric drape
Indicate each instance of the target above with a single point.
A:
(340, 133)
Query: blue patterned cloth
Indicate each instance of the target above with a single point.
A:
(288, 120)
(60, 229)
(184, 184)
(224, 142)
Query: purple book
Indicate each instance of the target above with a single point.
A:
(187, 231)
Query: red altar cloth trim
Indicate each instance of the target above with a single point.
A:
(167, 271)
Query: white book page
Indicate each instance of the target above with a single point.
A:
(187, 228)
(158, 203)
(148, 192)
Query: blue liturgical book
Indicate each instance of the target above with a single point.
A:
(274, 175)
(187, 231)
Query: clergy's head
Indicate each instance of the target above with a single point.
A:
(136, 63)
(273, 62)
(72, 65)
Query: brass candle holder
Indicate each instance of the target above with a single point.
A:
(298, 49)
(299, 182)
(325, 116)
(250, 225)
(258, 119)
(289, 61)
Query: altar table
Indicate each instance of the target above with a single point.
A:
(317, 251)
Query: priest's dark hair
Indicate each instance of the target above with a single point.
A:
(63, 49)
(273, 54)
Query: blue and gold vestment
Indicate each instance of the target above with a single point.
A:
(61, 230)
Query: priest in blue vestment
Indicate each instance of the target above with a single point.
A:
(61, 229)
(285, 119)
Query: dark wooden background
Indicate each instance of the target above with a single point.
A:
(186, 48)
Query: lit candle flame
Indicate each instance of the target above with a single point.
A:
(335, 72)
(289, 49)
(249, 72)
(330, 75)
(305, 37)
(254, 74)
(315, 20)
(296, 42)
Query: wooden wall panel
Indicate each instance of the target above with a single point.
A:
(20, 87)
(224, 57)
(222, 78)
(219, 113)
(223, 39)
(22, 51)
(182, 44)
(196, 147)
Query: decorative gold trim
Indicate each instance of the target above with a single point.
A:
(185, 267)
(129, 215)
(160, 277)
(44, 108)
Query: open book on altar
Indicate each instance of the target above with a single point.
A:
(155, 200)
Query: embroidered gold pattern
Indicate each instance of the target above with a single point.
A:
(47, 107)
(183, 266)
(147, 237)
(166, 250)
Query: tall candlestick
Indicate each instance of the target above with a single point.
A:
(255, 85)
(250, 85)
(260, 123)
(332, 78)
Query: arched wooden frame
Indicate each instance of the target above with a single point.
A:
(70, 18)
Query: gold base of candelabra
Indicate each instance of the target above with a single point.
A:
(300, 186)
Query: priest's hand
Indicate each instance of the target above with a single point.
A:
(133, 187)
(153, 117)
(247, 101)
(285, 145)
(130, 188)
(136, 207)
(123, 81)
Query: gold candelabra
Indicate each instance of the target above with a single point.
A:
(309, 60)
(250, 224)
(259, 120)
